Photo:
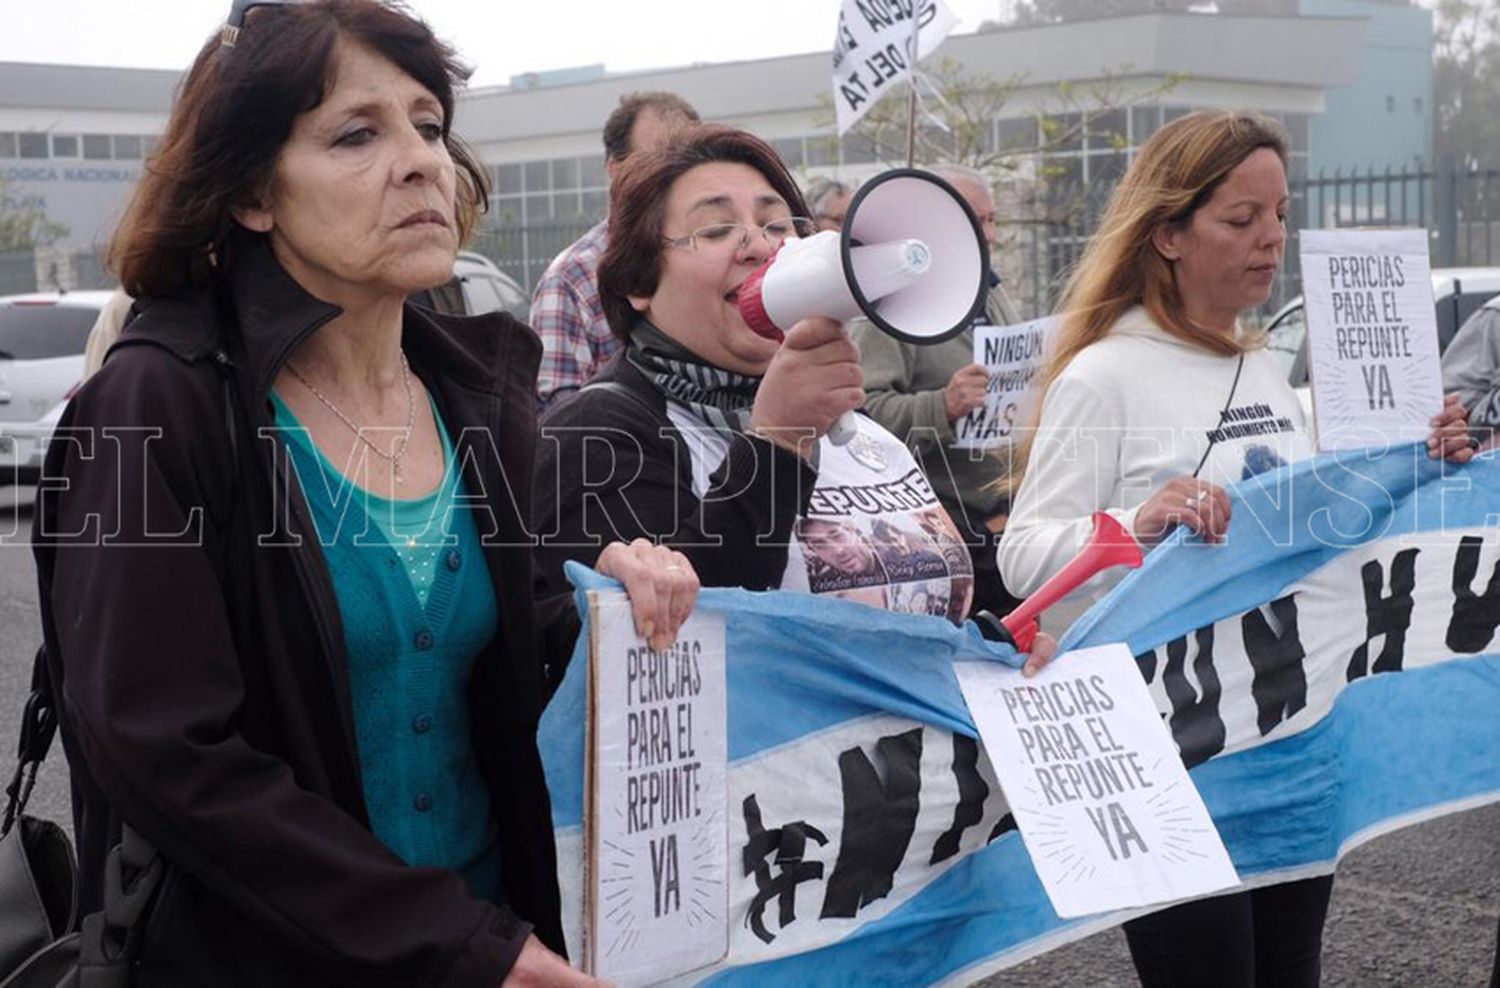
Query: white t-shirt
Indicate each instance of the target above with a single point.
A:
(873, 532)
(1128, 414)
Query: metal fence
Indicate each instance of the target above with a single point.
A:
(50, 269)
(1460, 209)
(1049, 226)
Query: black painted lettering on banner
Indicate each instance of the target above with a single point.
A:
(1388, 616)
(788, 844)
(879, 821)
(1280, 683)
(1006, 824)
(1475, 616)
(1196, 725)
(972, 792)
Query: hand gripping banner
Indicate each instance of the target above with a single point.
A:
(1330, 674)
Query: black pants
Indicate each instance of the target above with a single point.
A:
(1270, 937)
(989, 590)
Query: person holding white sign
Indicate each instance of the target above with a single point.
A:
(305, 665)
(1153, 398)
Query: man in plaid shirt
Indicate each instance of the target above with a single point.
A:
(565, 308)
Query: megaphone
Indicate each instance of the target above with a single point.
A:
(1110, 545)
(911, 258)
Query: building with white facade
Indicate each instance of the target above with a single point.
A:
(72, 139)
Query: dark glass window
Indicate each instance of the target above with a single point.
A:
(36, 332)
(790, 149)
(127, 147)
(1016, 133)
(507, 179)
(64, 145)
(538, 176)
(591, 173)
(33, 145)
(7, 145)
(96, 147)
(565, 173)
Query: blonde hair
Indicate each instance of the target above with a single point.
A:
(1174, 173)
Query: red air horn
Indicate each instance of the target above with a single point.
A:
(1110, 545)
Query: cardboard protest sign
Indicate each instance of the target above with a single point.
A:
(1105, 806)
(873, 49)
(1372, 336)
(656, 835)
(1014, 356)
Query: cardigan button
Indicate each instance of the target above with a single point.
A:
(423, 802)
(455, 559)
(423, 641)
(421, 724)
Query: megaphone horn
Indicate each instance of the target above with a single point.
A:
(1110, 545)
(911, 258)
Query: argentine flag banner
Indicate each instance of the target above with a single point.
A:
(1329, 674)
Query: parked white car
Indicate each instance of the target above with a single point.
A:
(1456, 292)
(42, 338)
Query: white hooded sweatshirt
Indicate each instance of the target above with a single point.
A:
(1128, 414)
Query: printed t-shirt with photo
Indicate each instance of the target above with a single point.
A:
(874, 531)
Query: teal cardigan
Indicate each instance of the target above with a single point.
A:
(417, 605)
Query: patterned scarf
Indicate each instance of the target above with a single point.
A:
(720, 397)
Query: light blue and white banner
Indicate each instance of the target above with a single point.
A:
(1329, 674)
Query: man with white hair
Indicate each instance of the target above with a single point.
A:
(920, 392)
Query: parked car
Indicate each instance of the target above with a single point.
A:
(487, 288)
(42, 337)
(1456, 292)
(478, 286)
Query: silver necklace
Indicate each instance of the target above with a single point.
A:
(393, 457)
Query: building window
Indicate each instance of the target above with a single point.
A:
(96, 147)
(1017, 134)
(33, 145)
(538, 176)
(7, 145)
(790, 149)
(64, 145)
(565, 173)
(127, 147)
(591, 173)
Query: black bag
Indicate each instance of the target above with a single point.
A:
(39, 947)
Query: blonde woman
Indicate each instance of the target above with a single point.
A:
(1150, 367)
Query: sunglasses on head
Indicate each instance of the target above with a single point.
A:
(236, 20)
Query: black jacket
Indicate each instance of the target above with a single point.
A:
(611, 465)
(197, 653)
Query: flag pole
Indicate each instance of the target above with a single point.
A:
(911, 83)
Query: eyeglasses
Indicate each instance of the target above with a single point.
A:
(727, 237)
(238, 10)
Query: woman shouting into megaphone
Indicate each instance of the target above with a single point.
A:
(711, 437)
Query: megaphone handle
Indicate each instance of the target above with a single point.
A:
(844, 428)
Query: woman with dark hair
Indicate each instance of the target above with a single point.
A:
(287, 604)
(707, 436)
(1149, 362)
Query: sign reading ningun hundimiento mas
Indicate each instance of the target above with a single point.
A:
(657, 896)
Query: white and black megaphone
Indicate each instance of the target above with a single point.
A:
(911, 258)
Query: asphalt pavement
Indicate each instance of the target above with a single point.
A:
(1416, 908)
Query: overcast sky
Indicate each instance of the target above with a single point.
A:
(500, 38)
